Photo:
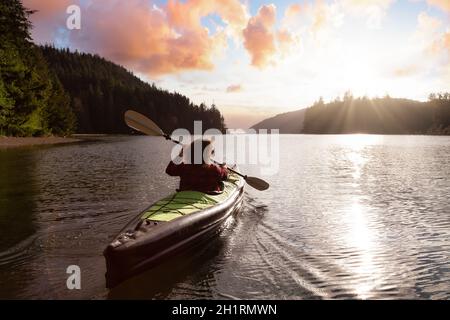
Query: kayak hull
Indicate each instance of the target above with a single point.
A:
(145, 243)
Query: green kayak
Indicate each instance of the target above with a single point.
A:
(169, 226)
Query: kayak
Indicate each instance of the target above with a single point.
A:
(167, 227)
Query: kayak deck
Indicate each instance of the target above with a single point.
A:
(169, 226)
(187, 202)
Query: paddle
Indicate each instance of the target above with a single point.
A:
(141, 123)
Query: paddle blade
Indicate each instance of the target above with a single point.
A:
(257, 183)
(141, 123)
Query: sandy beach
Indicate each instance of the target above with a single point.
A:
(12, 142)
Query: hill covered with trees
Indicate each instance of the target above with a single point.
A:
(46, 91)
(101, 91)
(363, 115)
(32, 100)
(289, 122)
(380, 116)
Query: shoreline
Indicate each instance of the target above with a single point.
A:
(15, 142)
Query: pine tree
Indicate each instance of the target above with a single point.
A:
(27, 88)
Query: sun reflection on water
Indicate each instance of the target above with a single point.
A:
(360, 237)
(358, 141)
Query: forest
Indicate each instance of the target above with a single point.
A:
(101, 91)
(32, 99)
(379, 116)
(50, 91)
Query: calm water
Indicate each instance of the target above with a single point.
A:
(348, 216)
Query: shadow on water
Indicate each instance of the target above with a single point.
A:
(16, 197)
(17, 210)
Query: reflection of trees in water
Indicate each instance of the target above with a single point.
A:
(16, 197)
(17, 217)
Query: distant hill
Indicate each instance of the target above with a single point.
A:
(290, 122)
(101, 91)
(362, 115)
(380, 116)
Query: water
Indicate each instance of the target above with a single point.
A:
(351, 216)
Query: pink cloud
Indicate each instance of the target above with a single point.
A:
(407, 71)
(430, 36)
(234, 88)
(49, 16)
(442, 45)
(261, 39)
(162, 40)
(188, 13)
(447, 41)
(141, 36)
(48, 8)
(293, 10)
(136, 33)
(441, 4)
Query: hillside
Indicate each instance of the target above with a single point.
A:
(101, 91)
(290, 122)
(362, 115)
(380, 116)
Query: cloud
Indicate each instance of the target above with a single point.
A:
(322, 17)
(261, 39)
(446, 41)
(441, 4)
(427, 23)
(442, 45)
(48, 8)
(406, 71)
(372, 10)
(428, 34)
(293, 10)
(189, 13)
(285, 40)
(145, 39)
(50, 16)
(432, 43)
(140, 35)
(234, 88)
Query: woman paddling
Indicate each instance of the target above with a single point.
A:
(199, 174)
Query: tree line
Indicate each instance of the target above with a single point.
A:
(101, 91)
(379, 116)
(44, 90)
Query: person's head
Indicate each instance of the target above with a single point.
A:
(201, 151)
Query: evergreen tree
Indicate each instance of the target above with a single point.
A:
(26, 85)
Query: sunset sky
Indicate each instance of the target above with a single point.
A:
(254, 59)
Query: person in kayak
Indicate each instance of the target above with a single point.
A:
(200, 174)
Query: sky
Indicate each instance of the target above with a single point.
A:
(254, 58)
